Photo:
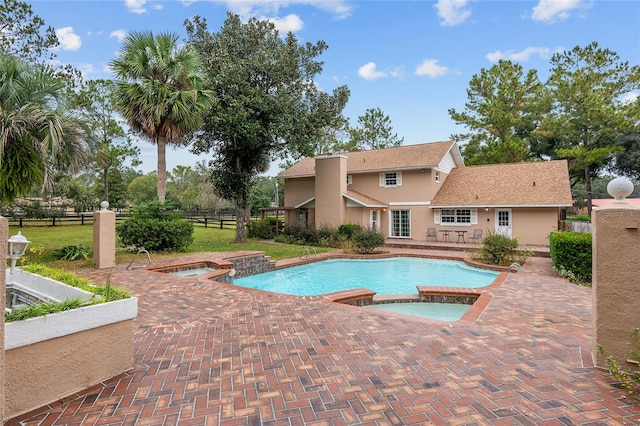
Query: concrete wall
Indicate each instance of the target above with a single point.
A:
(44, 372)
(616, 238)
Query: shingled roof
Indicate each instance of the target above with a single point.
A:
(541, 183)
(404, 157)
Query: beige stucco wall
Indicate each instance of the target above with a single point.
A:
(616, 238)
(104, 239)
(38, 374)
(4, 236)
(297, 191)
(330, 185)
(533, 225)
(416, 187)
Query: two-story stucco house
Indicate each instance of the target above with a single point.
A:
(406, 190)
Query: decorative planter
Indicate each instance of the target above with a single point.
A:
(53, 356)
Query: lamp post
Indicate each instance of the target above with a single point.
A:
(16, 248)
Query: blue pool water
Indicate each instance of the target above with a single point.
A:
(395, 275)
(438, 311)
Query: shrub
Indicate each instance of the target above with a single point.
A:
(630, 377)
(366, 241)
(264, 229)
(302, 235)
(348, 230)
(579, 218)
(571, 254)
(156, 227)
(501, 250)
(156, 234)
(73, 252)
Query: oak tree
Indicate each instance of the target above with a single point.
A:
(267, 105)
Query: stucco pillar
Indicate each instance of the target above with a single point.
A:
(616, 256)
(330, 185)
(4, 236)
(104, 237)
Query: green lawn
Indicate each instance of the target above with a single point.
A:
(44, 240)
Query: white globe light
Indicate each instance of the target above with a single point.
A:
(620, 188)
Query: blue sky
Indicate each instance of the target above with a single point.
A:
(412, 59)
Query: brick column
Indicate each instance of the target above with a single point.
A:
(104, 237)
(616, 239)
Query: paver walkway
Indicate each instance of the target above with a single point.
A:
(210, 354)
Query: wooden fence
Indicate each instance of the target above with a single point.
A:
(206, 220)
(574, 226)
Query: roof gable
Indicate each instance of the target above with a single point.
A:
(540, 183)
(427, 155)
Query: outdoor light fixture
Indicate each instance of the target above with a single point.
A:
(16, 248)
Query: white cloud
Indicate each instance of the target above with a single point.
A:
(340, 9)
(86, 69)
(291, 23)
(521, 56)
(118, 34)
(630, 98)
(68, 39)
(369, 72)
(551, 11)
(397, 72)
(452, 12)
(431, 68)
(136, 6)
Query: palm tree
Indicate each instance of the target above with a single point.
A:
(37, 135)
(159, 92)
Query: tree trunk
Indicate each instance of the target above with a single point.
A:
(162, 169)
(587, 187)
(105, 184)
(240, 220)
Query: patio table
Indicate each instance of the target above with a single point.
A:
(461, 234)
(445, 234)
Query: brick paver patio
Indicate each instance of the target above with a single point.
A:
(211, 354)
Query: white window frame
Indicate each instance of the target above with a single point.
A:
(386, 179)
(302, 217)
(403, 225)
(455, 217)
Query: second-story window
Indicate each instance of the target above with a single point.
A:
(390, 179)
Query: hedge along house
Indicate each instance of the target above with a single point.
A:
(406, 190)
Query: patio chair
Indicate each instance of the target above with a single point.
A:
(431, 233)
(477, 236)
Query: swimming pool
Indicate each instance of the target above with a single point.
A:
(394, 275)
(438, 311)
